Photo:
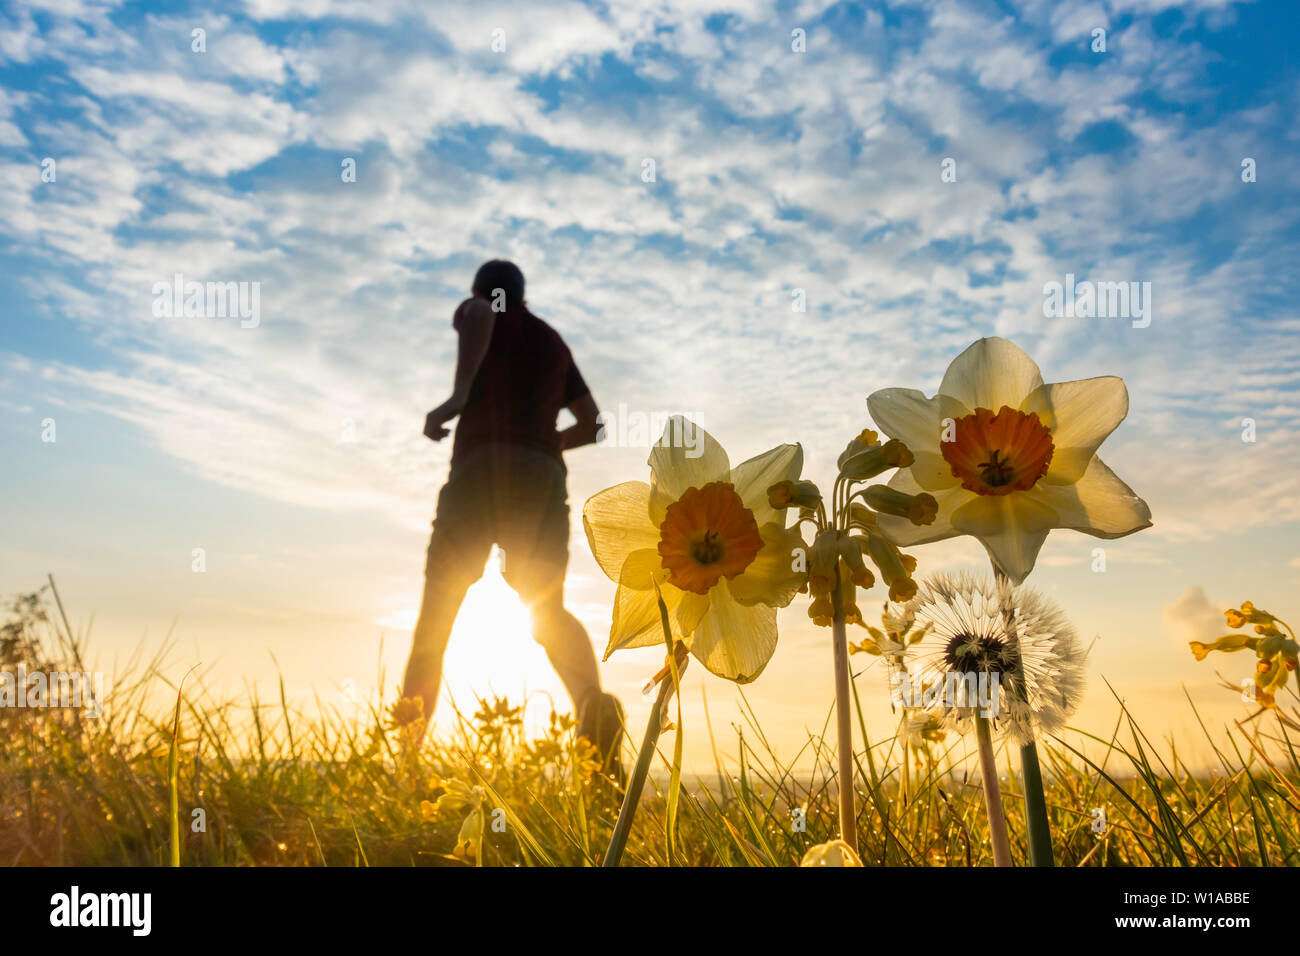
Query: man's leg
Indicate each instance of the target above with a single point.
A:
(438, 608)
(532, 525)
(600, 715)
(565, 639)
(458, 549)
(535, 549)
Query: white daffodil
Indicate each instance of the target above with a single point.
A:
(1007, 457)
(705, 534)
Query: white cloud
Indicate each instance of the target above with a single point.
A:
(775, 171)
(1193, 617)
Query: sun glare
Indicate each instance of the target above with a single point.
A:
(492, 652)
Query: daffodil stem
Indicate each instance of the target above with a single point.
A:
(1040, 831)
(843, 721)
(675, 777)
(632, 796)
(992, 796)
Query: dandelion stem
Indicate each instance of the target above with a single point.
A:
(1036, 822)
(843, 720)
(632, 796)
(992, 796)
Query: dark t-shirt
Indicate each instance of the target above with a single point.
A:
(527, 376)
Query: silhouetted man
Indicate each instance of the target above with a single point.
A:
(508, 486)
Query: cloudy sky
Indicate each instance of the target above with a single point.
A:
(289, 450)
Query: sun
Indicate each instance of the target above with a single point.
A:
(492, 651)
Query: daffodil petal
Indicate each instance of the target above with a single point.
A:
(1079, 415)
(916, 421)
(771, 577)
(617, 522)
(1011, 527)
(641, 568)
(906, 414)
(636, 620)
(992, 372)
(734, 641)
(686, 456)
(1099, 503)
(690, 610)
(752, 478)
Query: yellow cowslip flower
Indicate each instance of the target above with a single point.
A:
(832, 853)
(896, 571)
(458, 795)
(835, 550)
(901, 624)
(707, 538)
(879, 644)
(919, 729)
(1007, 457)
(1229, 642)
(823, 558)
(469, 841)
(821, 610)
(918, 509)
(851, 557)
(1249, 614)
(794, 494)
(862, 517)
(849, 596)
(1276, 653)
(865, 646)
(867, 438)
(837, 570)
(875, 460)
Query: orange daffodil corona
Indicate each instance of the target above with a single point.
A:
(704, 536)
(1008, 458)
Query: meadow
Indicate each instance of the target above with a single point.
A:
(253, 782)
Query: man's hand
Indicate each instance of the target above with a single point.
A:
(436, 420)
(475, 320)
(587, 429)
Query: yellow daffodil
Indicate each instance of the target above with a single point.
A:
(1007, 457)
(706, 536)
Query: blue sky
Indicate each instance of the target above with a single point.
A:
(775, 171)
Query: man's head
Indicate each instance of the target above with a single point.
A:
(503, 275)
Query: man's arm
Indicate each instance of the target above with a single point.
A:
(475, 322)
(586, 430)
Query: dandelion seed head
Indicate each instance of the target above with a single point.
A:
(975, 624)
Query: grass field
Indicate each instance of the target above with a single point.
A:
(251, 782)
